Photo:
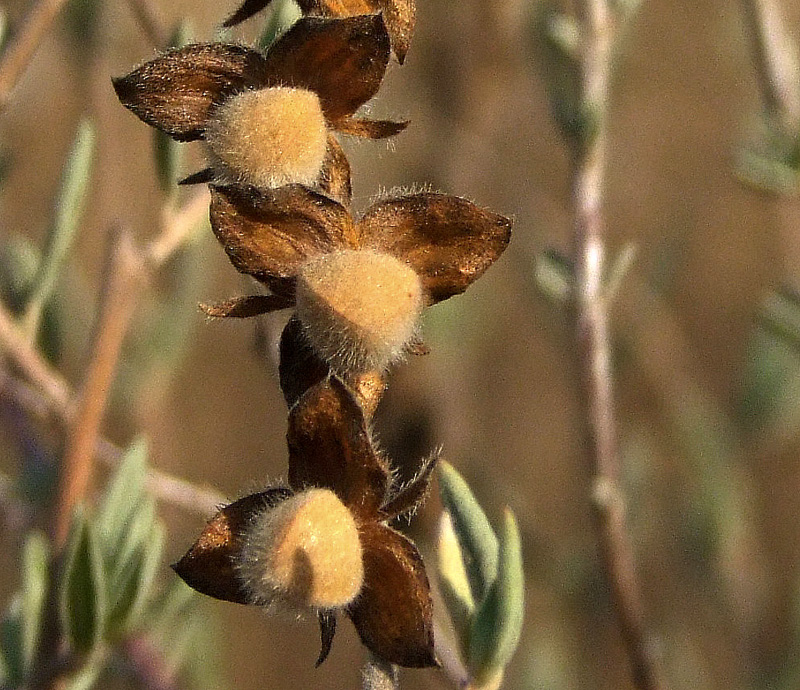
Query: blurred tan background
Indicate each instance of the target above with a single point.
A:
(713, 474)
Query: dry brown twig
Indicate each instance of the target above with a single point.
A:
(594, 344)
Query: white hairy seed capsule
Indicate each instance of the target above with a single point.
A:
(305, 551)
(268, 138)
(359, 308)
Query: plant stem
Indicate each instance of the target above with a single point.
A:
(15, 345)
(594, 344)
(776, 64)
(125, 282)
(19, 53)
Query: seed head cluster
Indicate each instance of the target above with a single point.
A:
(356, 285)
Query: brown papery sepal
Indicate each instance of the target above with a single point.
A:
(399, 15)
(393, 614)
(269, 235)
(343, 61)
(330, 447)
(176, 91)
(448, 241)
(209, 566)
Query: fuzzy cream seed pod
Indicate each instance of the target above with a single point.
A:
(359, 308)
(268, 138)
(305, 551)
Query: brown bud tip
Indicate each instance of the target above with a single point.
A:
(268, 138)
(359, 308)
(305, 551)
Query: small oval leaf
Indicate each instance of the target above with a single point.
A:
(498, 621)
(132, 606)
(82, 599)
(123, 494)
(475, 535)
(453, 581)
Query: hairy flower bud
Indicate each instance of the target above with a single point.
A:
(305, 551)
(268, 137)
(359, 308)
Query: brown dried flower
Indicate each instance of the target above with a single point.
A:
(266, 118)
(324, 543)
(398, 14)
(357, 286)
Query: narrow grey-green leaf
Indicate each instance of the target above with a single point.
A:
(5, 675)
(3, 29)
(35, 555)
(182, 34)
(121, 554)
(453, 581)
(167, 156)
(123, 494)
(284, 13)
(133, 593)
(498, 621)
(553, 41)
(19, 263)
(193, 650)
(67, 219)
(475, 535)
(83, 595)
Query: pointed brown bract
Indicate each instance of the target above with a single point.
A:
(393, 614)
(449, 241)
(330, 446)
(399, 15)
(210, 565)
(370, 129)
(327, 631)
(270, 235)
(176, 91)
(334, 180)
(343, 61)
(406, 499)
